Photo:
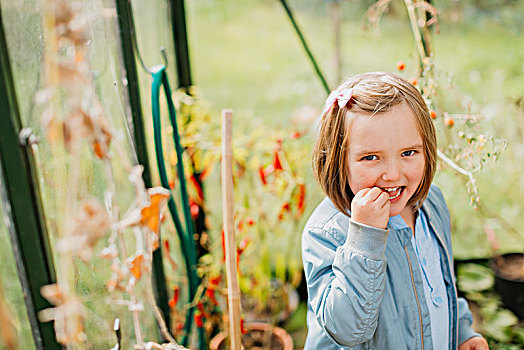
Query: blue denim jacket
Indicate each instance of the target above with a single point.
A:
(365, 288)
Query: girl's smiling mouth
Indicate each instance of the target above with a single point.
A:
(393, 192)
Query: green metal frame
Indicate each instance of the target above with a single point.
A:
(127, 32)
(21, 196)
(178, 24)
(127, 35)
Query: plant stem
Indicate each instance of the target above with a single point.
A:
(460, 170)
(416, 31)
(151, 298)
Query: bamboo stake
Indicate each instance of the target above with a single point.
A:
(229, 231)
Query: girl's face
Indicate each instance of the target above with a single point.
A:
(386, 151)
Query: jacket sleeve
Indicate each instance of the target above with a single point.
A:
(345, 280)
(465, 319)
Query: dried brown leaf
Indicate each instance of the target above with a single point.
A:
(151, 214)
(68, 315)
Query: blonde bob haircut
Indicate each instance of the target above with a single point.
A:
(373, 93)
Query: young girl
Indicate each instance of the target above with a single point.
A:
(377, 251)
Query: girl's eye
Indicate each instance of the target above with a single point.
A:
(408, 153)
(371, 157)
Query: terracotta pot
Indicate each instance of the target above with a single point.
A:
(510, 286)
(279, 335)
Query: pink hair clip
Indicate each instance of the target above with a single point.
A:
(341, 97)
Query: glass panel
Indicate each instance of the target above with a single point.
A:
(23, 30)
(67, 75)
(153, 27)
(13, 313)
(153, 32)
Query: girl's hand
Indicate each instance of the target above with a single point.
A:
(370, 206)
(475, 343)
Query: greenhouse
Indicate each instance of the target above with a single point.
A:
(161, 172)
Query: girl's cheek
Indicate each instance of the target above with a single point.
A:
(417, 168)
(367, 178)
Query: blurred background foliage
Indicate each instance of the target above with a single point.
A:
(246, 56)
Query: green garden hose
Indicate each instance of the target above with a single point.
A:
(185, 236)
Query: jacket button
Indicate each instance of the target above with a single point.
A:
(437, 300)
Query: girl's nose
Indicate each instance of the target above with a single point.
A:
(392, 171)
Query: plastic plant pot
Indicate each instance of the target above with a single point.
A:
(508, 284)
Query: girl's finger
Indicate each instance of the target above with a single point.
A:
(382, 199)
(362, 193)
(372, 195)
(386, 199)
(383, 196)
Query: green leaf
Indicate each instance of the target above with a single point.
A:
(297, 319)
(498, 326)
(474, 278)
(518, 334)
